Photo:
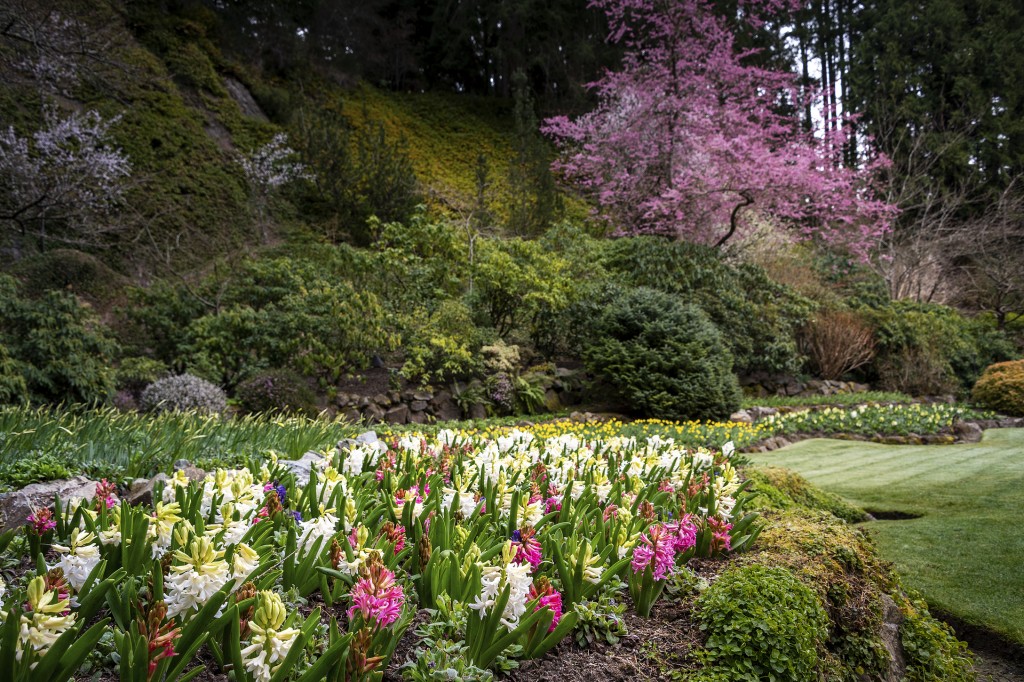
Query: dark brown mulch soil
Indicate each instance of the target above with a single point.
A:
(370, 382)
(653, 649)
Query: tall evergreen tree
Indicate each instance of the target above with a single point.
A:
(941, 78)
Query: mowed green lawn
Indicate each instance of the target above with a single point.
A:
(966, 552)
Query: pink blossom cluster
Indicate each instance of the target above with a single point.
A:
(684, 533)
(657, 548)
(527, 547)
(377, 597)
(721, 541)
(547, 596)
(417, 493)
(106, 492)
(662, 543)
(42, 521)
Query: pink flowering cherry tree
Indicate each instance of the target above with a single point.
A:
(688, 140)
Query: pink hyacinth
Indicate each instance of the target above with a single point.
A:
(417, 493)
(527, 548)
(107, 492)
(657, 546)
(42, 521)
(684, 533)
(377, 597)
(552, 504)
(721, 540)
(549, 597)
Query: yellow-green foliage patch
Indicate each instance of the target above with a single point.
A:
(1001, 387)
(445, 135)
(782, 489)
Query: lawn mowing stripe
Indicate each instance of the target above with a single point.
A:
(964, 553)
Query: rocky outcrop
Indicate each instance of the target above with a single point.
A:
(761, 384)
(15, 507)
(562, 387)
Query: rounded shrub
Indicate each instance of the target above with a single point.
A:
(762, 624)
(1001, 388)
(277, 390)
(183, 393)
(666, 358)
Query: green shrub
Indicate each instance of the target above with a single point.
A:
(928, 349)
(135, 373)
(664, 357)
(275, 312)
(1001, 388)
(359, 172)
(932, 651)
(279, 390)
(13, 388)
(519, 285)
(79, 273)
(60, 348)
(442, 346)
(762, 624)
(36, 468)
(759, 317)
(183, 393)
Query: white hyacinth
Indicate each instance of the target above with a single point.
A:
(80, 558)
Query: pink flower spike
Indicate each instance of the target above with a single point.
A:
(42, 521)
(657, 546)
(107, 492)
(684, 534)
(377, 597)
(527, 547)
(549, 597)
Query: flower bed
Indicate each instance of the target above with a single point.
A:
(870, 420)
(512, 543)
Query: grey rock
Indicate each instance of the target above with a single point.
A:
(892, 618)
(968, 432)
(565, 373)
(447, 411)
(552, 402)
(244, 99)
(399, 414)
(418, 405)
(15, 507)
(342, 400)
(382, 400)
(302, 466)
(417, 417)
(364, 401)
(351, 415)
(742, 416)
(367, 437)
(142, 493)
(423, 395)
(440, 398)
(759, 413)
(478, 411)
(394, 397)
(373, 413)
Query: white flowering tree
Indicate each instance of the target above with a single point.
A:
(62, 183)
(267, 169)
